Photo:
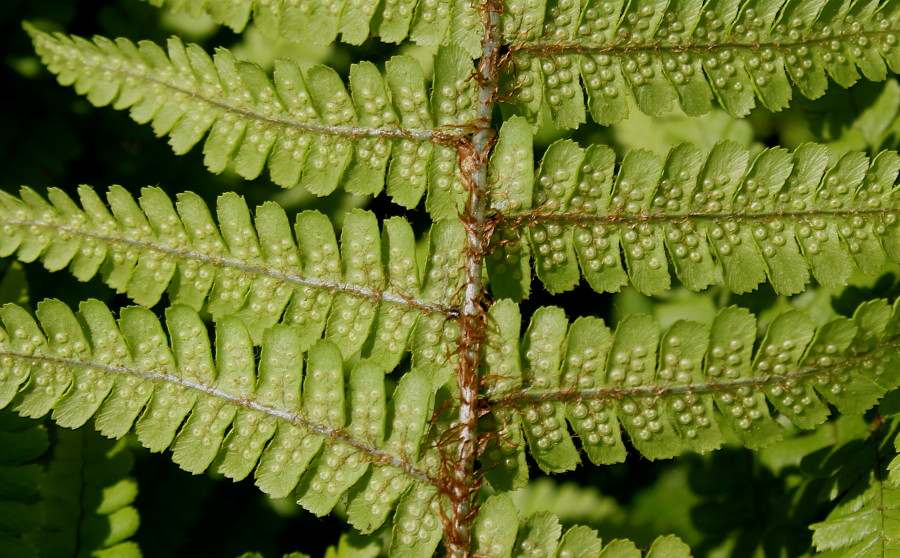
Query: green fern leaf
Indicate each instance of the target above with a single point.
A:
(498, 534)
(381, 490)
(366, 296)
(780, 217)
(504, 463)
(417, 524)
(665, 389)
(545, 431)
(308, 129)
(353, 546)
(427, 22)
(511, 183)
(366, 394)
(495, 528)
(557, 268)
(538, 536)
(434, 339)
(453, 99)
(226, 410)
(661, 52)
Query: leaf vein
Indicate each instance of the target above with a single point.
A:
(374, 295)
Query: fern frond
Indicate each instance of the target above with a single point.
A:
(228, 411)
(664, 389)
(498, 533)
(22, 442)
(308, 129)
(660, 52)
(778, 217)
(866, 519)
(88, 513)
(367, 295)
(427, 22)
(690, 52)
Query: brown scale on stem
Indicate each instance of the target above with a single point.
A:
(473, 155)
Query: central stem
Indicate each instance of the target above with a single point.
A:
(473, 160)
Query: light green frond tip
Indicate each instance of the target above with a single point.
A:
(307, 128)
(365, 295)
(676, 390)
(498, 533)
(689, 53)
(779, 217)
(283, 418)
